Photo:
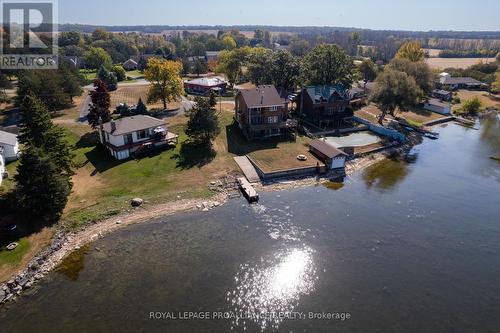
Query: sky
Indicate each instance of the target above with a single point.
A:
(422, 15)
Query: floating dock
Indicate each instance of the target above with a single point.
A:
(248, 190)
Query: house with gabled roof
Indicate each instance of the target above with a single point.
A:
(130, 65)
(326, 105)
(131, 135)
(261, 112)
(449, 82)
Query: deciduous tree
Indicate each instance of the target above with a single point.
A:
(120, 72)
(419, 70)
(228, 42)
(97, 57)
(101, 102)
(368, 70)
(328, 64)
(165, 77)
(412, 51)
(471, 106)
(231, 62)
(395, 91)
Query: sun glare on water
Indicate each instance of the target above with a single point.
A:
(266, 291)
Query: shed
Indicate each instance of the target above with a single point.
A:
(437, 106)
(442, 95)
(333, 157)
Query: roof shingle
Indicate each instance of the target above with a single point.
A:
(132, 124)
(262, 96)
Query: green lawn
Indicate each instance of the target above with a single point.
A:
(13, 257)
(135, 74)
(8, 183)
(88, 74)
(183, 171)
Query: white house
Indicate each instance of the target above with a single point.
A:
(9, 145)
(2, 167)
(435, 105)
(333, 157)
(129, 135)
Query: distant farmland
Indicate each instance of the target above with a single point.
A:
(443, 63)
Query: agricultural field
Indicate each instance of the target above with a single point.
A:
(462, 63)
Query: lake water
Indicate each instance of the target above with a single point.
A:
(405, 246)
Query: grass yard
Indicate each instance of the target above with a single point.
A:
(284, 156)
(273, 154)
(415, 116)
(487, 100)
(89, 74)
(104, 186)
(135, 74)
(11, 261)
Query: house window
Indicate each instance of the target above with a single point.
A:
(142, 135)
(257, 120)
(274, 108)
(272, 120)
(128, 138)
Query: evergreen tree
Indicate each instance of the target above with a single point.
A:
(109, 78)
(142, 64)
(43, 179)
(37, 130)
(212, 99)
(35, 122)
(101, 101)
(41, 191)
(203, 125)
(141, 108)
(123, 110)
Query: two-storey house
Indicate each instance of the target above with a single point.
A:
(261, 112)
(324, 106)
(128, 135)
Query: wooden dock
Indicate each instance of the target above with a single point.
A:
(248, 169)
(248, 190)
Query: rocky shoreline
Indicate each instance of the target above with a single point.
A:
(63, 243)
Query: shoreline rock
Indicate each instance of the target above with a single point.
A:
(63, 243)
